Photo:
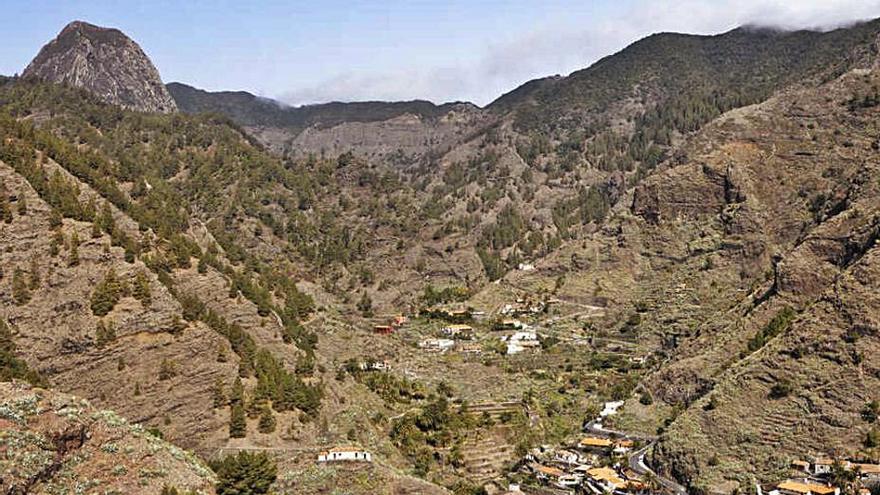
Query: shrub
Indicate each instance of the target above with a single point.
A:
(780, 389)
(21, 293)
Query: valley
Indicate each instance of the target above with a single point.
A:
(654, 275)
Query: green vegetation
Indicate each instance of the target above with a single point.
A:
(774, 327)
(107, 293)
(237, 421)
(245, 474)
(5, 209)
(11, 367)
(267, 420)
(782, 388)
(21, 293)
(105, 333)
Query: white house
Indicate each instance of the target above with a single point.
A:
(440, 345)
(354, 454)
(521, 341)
(611, 408)
(525, 267)
(459, 331)
(375, 366)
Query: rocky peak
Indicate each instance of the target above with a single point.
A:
(104, 62)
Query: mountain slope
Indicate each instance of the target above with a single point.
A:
(104, 62)
(53, 442)
(799, 379)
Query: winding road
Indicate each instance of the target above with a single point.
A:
(636, 459)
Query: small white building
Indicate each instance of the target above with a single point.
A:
(439, 345)
(611, 408)
(520, 341)
(375, 366)
(526, 267)
(342, 454)
(458, 331)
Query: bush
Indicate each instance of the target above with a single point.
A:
(781, 389)
(21, 293)
(245, 474)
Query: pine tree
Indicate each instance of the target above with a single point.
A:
(105, 219)
(105, 333)
(55, 218)
(137, 389)
(73, 255)
(5, 209)
(96, 230)
(35, 274)
(219, 394)
(55, 243)
(245, 474)
(167, 370)
(267, 419)
(22, 204)
(237, 422)
(236, 395)
(21, 294)
(365, 305)
(10, 365)
(106, 294)
(141, 289)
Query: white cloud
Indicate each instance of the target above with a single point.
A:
(550, 50)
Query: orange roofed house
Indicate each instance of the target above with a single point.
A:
(596, 444)
(795, 487)
(383, 329)
(609, 481)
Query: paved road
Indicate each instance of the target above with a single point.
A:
(637, 463)
(636, 459)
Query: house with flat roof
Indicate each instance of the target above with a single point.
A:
(343, 454)
(458, 331)
(437, 345)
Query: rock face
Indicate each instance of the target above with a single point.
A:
(51, 441)
(104, 62)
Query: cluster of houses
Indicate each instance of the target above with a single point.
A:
(814, 473)
(524, 307)
(583, 467)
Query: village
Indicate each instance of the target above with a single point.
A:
(597, 461)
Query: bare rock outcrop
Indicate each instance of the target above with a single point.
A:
(106, 63)
(51, 440)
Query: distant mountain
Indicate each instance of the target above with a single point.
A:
(250, 110)
(746, 64)
(104, 62)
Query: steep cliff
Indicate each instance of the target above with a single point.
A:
(106, 63)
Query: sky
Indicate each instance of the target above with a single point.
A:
(440, 50)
